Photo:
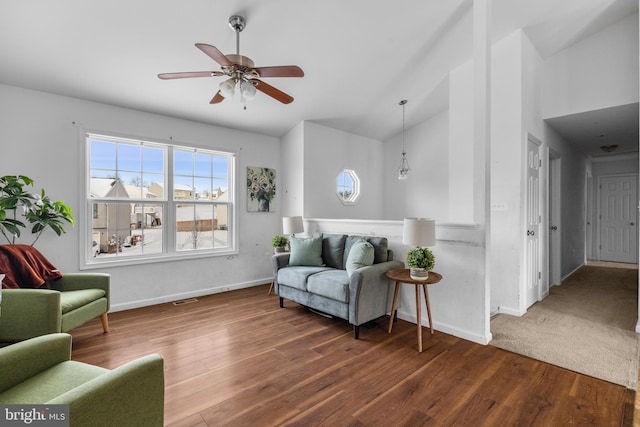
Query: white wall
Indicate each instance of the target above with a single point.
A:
(425, 193)
(292, 176)
(39, 140)
(573, 202)
(598, 72)
(461, 163)
(327, 152)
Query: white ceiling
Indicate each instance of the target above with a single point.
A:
(360, 57)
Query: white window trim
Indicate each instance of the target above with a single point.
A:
(85, 213)
(352, 200)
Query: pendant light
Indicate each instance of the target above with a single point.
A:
(403, 170)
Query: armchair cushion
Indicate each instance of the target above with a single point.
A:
(70, 300)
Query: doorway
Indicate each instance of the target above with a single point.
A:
(617, 218)
(534, 219)
(555, 220)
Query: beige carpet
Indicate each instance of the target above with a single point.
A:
(586, 325)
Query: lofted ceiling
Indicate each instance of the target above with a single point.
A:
(360, 57)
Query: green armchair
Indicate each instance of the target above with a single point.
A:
(40, 371)
(74, 299)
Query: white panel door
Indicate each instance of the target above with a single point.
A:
(617, 218)
(533, 271)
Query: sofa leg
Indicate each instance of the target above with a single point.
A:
(356, 332)
(105, 322)
(281, 302)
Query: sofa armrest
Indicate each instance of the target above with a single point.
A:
(130, 395)
(369, 291)
(27, 313)
(25, 359)
(278, 261)
(79, 281)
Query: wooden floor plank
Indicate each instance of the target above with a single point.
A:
(237, 358)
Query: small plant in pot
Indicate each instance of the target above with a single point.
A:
(279, 242)
(420, 261)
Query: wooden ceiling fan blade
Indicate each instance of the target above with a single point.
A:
(214, 54)
(187, 74)
(273, 92)
(217, 98)
(280, 71)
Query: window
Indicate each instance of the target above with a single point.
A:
(152, 200)
(348, 187)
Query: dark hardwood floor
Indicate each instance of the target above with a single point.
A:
(237, 359)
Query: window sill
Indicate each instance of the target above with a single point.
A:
(97, 263)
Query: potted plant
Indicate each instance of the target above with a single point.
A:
(420, 261)
(17, 204)
(279, 242)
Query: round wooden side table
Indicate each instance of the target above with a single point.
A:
(402, 275)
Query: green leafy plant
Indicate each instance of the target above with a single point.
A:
(279, 241)
(421, 258)
(18, 204)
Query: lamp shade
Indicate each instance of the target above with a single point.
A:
(419, 232)
(292, 225)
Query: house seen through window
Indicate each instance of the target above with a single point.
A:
(151, 199)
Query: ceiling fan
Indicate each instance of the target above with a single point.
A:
(244, 76)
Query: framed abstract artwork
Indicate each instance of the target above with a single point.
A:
(261, 189)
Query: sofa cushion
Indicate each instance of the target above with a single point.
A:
(333, 284)
(70, 300)
(333, 250)
(306, 251)
(297, 276)
(360, 255)
(380, 247)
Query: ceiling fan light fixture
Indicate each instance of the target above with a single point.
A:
(228, 88)
(247, 90)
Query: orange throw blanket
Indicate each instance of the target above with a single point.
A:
(25, 267)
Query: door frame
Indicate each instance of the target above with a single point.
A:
(554, 218)
(542, 251)
(597, 229)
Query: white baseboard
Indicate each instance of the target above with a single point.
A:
(511, 311)
(448, 329)
(192, 294)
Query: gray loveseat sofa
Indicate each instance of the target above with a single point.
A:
(335, 284)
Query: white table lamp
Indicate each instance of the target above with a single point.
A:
(419, 232)
(292, 225)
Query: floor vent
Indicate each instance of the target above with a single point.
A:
(185, 301)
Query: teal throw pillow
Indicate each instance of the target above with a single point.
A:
(306, 251)
(360, 255)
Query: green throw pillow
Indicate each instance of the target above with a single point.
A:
(360, 255)
(306, 251)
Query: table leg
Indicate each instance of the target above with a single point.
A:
(426, 299)
(393, 306)
(419, 323)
